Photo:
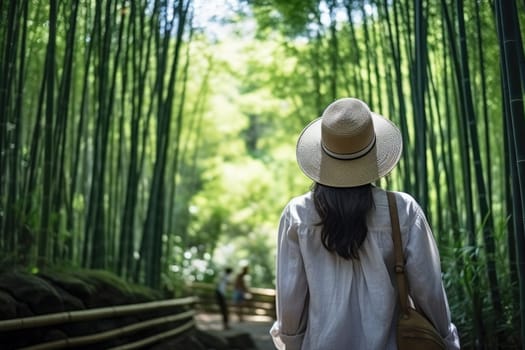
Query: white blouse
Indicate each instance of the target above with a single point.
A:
(325, 302)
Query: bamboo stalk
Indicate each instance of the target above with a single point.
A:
(96, 338)
(84, 315)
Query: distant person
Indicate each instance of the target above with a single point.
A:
(335, 278)
(220, 295)
(239, 291)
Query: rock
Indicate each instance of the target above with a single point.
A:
(69, 283)
(241, 341)
(227, 340)
(23, 295)
(40, 297)
(7, 306)
(188, 342)
(212, 340)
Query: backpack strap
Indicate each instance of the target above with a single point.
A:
(402, 284)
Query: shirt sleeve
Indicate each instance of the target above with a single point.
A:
(423, 270)
(291, 288)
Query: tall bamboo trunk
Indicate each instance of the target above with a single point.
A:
(510, 41)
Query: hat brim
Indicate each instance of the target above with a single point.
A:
(330, 171)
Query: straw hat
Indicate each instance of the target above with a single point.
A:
(348, 145)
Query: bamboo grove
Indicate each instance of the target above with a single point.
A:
(82, 107)
(455, 87)
(100, 127)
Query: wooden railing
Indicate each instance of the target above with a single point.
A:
(259, 302)
(157, 327)
(126, 326)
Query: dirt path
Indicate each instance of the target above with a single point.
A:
(258, 327)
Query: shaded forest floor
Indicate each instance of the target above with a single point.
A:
(258, 327)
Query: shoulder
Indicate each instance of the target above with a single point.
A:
(409, 204)
(300, 208)
(298, 203)
(404, 200)
(409, 210)
(301, 200)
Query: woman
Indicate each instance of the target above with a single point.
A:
(335, 260)
(239, 292)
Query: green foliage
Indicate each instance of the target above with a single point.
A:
(290, 17)
(165, 176)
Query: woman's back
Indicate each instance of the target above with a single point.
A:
(335, 261)
(351, 304)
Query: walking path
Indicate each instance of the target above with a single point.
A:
(257, 326)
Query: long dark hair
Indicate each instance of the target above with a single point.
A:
(343, 213)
